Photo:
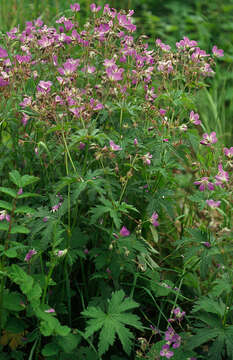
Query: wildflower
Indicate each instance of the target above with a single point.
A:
(228, 152)
(162, 112)
(114, 147)
(209, 139)
(217, 52)
(154, 218)
(45, 219)
(44, 87)
(4, 216)
(25, 119)
(114, 73)
(60, 253)
(147, 159)
(95, 8)
(51, 310)
(222, 176)
(179, 315)
(3, 53)
(81, 145)
(56, 207)
(20, 191)
(204, 184)
(183, 127)
(194, 118)
(124, 231)
(135, 142)
(186, 43)
(75, 7)
(26, 102)
(206, 244)
(166, 352)
(213, 204)
(30, 254)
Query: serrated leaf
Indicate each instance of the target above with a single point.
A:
(202, 337)
(210, 305)
(113, 322)
(8, 191)
(21, 278)
(5, 205)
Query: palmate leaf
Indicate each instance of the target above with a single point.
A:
(113, 322)
(210, 305)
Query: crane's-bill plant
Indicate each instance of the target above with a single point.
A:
(129, 206)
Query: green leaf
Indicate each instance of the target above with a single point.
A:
(19, 229)
(12, 301)
(50, 349)
(25, 210)
(5, 205)
(16, 178)
(113, 322)
(210, 305)
(8, 191)
(11, 253)
(68, 343)
(4, 226)
(202, 336)
(21, 278)
(28, 194)
(28, 179)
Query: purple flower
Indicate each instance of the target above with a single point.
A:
(178, 314)
(217, 52)
(56, 207)
(114, 73)
(75, 7)
(26, 102)
(147, 159)
(114, 147)
(61, 253)
(44, 87)
(228, 152)
(124, 231)
(135, 142)
(162, 112)
(204, 184)
(194, 118)
(206, 244)
(166, 352)
(81, 145)
(3, 53)
(209, 139)
(186, 43)
(154, 218)
(222, 176)
(20, 191)
(25, 119)
(29, 255)
(213, 204)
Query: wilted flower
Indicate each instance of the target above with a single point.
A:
(114, 147)
(29, 255)
(222, 176)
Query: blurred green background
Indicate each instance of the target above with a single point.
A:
(208, 22)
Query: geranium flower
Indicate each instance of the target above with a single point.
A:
(217, 52)
(114, 147)
(204, 184)
(29, 255)
(194, 118)
(166, 352)
(124, 231)
(213, 204)
(154, 218)
(209, 139)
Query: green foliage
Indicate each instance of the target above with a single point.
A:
(113, 322)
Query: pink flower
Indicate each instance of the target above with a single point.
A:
(204, 184)
(20, 191)
(51, 310)
(154, 218)
(209, 139)
(114, 73)
(228, 152)
(178, 314)
(135, 142)
(222, 176)
(26, 102)
(29, 255)
(213, 204)
(194, 118)
(75, 7)
(162, 112)
(95, 8)
(25, 119)
(3, 53)
(186, 43)
(147, 159)
(44, 87)
(217, 52)
(166, 352)
(124, 232)
(114, 147)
